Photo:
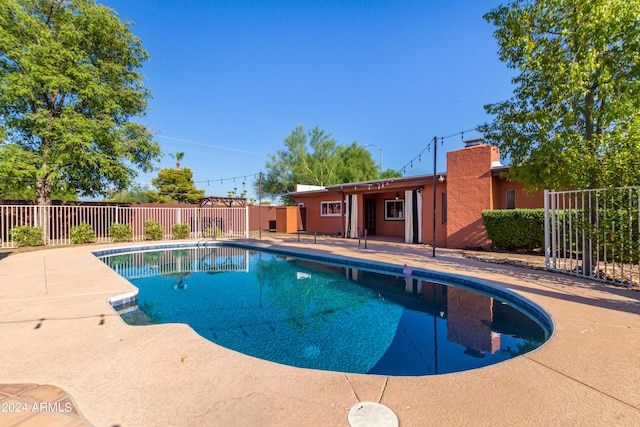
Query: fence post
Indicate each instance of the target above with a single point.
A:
(547, 248)
(246, 222)
(553, 228)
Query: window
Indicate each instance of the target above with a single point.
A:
(510, 196)
(444, 208)
(330, 208)
(394, 210)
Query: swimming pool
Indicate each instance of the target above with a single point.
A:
(328, 313)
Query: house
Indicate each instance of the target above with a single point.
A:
(407, 208)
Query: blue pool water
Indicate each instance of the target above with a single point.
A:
(315, 315)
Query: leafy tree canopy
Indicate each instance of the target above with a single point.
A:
(15, 190)
(355, 165)
(390, 173)
(134, 194)
(69, 87)
(175, 186)
(314, 158)
(574, 119)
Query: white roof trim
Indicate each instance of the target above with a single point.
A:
(299, 188)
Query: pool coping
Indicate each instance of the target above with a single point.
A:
(59, 329)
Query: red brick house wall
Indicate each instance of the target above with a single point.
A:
(470, 192)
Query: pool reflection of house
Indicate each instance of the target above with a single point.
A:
(474, 320)
(469, 315)
(403, 207)
(470, 321)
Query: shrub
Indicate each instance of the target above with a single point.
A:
(212, 231)
(26, 236)
(181, 230)
(515, 228)
(153, 230)
(82, 233)
(120, 232)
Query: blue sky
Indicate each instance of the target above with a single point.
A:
(231, 79)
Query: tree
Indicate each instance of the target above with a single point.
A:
(355, 165)
(313, 157)
(178, 156)
(133, 194)
(20, 192)
(69, 87)
(574, 119)
(295, 164)
(234, 193)
(175, 186)
(390, 173)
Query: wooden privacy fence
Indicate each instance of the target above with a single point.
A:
(57, 221)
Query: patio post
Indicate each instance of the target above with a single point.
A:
(435, 151)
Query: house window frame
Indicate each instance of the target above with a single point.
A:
(328, 203)
(386, 210)
(510, 196)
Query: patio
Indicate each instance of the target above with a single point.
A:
(58, 330)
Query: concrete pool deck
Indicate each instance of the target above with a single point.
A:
(57, 329)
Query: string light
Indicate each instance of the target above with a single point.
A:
(428, 148)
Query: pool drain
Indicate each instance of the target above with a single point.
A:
(371, 414)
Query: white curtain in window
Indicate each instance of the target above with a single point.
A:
(413, 216)
(351, 212)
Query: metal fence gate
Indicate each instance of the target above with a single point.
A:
(57, 221)
(594, 234)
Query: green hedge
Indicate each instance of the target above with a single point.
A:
(617, 238)
(512, 229)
